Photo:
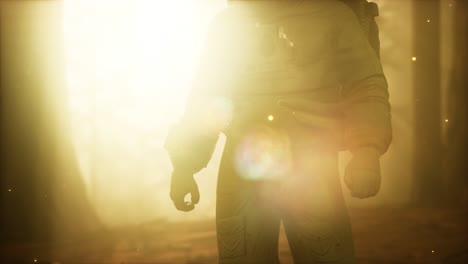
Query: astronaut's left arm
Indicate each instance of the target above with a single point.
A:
(367, 119)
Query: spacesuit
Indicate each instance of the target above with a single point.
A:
(290, 84)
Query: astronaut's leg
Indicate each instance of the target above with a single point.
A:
(247, 221)
(314, 214)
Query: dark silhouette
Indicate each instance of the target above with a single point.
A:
(290, 83)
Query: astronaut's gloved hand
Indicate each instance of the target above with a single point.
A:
(183, 183)
(362, 174)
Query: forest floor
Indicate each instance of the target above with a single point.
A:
(397, 235)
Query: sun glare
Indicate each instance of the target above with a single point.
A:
(129, 69)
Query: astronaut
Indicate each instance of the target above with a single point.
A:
(290, 84)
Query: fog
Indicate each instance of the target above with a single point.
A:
(129, 69)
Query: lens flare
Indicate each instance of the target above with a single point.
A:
(263, 154)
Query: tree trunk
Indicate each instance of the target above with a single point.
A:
(427, 105)
(456, 167)
(43, 196)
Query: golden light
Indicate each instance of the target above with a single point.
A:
(271, 118)
(129, 69)
(413, 58)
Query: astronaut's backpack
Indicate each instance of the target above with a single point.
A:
(366, 12)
